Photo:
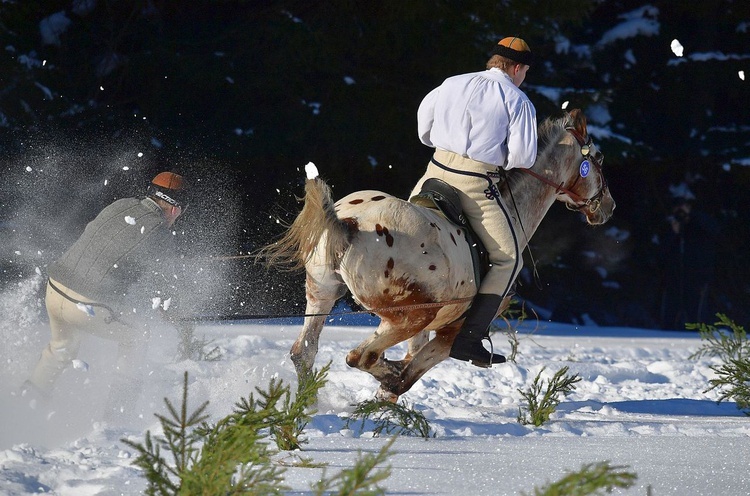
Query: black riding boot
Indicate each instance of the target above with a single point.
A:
(468, 343)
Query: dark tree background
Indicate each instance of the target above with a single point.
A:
(239, 95)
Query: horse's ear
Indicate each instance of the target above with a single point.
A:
(579, 121)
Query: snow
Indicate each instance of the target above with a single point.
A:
(708, 57)
(311, 170)
(639, 22)
(52, 27)
(677, 47)
(640, 404)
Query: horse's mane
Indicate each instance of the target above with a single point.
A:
(548, 135)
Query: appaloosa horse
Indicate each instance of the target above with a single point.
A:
(402, 261)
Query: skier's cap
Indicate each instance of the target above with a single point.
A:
(169, 187)
(515, 49)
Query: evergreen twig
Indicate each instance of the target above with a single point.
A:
(287, 431)
(231, 457)
(192, 348)
(591, 479)
(391, 418)
(542, 403)
(733, 349)
(362, 479)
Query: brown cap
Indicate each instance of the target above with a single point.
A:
(515, 49)
(168, 180)
(169, 187)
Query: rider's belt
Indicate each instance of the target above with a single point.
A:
(459, 162)
(112, 315)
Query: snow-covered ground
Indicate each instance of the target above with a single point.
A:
(641, 404)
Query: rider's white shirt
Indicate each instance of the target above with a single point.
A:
(483, 116)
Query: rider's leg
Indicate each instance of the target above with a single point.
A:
(490, 219)
(468, 345)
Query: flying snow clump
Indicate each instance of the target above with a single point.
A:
(311, 170)
(676, 47)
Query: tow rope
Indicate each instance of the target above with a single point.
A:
(268, 316)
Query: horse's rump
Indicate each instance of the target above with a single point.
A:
(403, 254)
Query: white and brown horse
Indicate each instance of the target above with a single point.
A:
(401, 261)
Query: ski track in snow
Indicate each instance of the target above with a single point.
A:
(641, 403)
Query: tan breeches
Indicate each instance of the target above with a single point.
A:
(68, 323)
(487, 215)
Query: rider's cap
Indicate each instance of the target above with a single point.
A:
(515, 49)
(169, 187)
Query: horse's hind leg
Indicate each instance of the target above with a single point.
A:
(430, 354)
(415, 343)
(369, 355)
(322, 288)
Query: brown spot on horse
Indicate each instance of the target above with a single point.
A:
(351, 224)
(383, 231)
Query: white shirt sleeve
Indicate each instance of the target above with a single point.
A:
(522, 138)
(426, 116)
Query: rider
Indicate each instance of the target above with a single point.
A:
(481, 124)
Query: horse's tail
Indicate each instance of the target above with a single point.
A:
(316, 220)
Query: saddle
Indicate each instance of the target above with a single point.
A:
(438, 195)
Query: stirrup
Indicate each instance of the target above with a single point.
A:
(494, 357)
(473, 355)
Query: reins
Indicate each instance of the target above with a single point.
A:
(594, 202)
(558, 187)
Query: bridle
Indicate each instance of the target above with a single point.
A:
(595, 201)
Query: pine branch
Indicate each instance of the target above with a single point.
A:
(541, 409)
(360, 479)
(297, 414)
(733, 349)
(391, 418)
(233, 457)
(717, 342)
(591, 479)
(178, 439)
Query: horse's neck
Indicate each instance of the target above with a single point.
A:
(528, 200)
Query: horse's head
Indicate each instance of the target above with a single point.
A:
(584, 188)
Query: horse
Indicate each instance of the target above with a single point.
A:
(411, 266)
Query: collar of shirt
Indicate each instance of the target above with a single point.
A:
(495, 70)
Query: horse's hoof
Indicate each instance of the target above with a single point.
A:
(383, 395)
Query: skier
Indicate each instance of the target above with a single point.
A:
(110, 283)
